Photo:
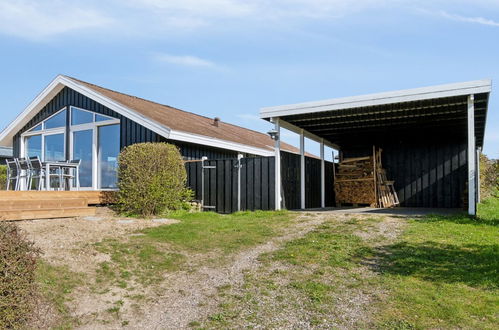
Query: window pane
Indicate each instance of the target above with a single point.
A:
(58, 120)
(102, 118)
(109, 148)
(82, 149)
(36, 128)
(34, 146)
(54, 147)
(81, 117)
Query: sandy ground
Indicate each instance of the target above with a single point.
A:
(183, 296)
(57, 237)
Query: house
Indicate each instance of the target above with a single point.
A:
(73, 119)
(430, 136)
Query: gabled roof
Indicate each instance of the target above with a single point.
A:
(169, 122)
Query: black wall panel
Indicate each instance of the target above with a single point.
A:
(221, 183)
(290, 178)
(427, 173)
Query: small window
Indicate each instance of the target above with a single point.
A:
(34, 146)
(59, 120)
(102, 118)
(36, 128)
(79, 117)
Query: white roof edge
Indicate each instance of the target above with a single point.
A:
(60, 81)
(407, 95)
(218, 143)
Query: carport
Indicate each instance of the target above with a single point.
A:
(431, 138)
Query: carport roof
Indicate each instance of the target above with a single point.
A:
(438, 109)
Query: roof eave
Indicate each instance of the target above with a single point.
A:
(6, 136)
(408, 95)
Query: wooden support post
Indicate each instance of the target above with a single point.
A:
(478, 192)
(302, 170)
(472, 180)
(323, 176)
(277, 148)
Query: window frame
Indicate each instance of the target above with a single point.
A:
(68, 142)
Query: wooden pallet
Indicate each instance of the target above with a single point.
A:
(387, 196)
(27, 205)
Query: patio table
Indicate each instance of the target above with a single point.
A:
(61, 165)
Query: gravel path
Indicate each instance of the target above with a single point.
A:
(191, 296)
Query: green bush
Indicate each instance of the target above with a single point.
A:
(3, 177)
(18, 289)
(489, 177)
(151, 179)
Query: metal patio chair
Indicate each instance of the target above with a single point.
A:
(37, 171)
(12, 173)
(70, 173)
(24, 172)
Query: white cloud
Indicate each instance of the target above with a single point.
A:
(38, 20)
(476, 20)
(256, 9)
(184, 60)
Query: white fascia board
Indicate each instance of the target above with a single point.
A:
(218, 143)
(408, 95)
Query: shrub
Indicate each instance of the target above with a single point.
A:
(18, 289)
(151, 179)
(489, 177)
(3, 177)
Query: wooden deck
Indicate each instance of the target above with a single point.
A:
(28, 205)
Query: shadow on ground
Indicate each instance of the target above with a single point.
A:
(471, 264)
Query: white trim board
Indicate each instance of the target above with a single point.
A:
(7, 135)
(408, 95)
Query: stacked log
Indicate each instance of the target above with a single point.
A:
(363, 181)
(355, 181)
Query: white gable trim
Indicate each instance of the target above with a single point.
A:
(7, 135)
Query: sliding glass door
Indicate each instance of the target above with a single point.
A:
(109, 149)
(96, 142)
(83, 150)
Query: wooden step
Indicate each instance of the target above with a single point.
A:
(93, 197)
(31, 214)
(31, 203)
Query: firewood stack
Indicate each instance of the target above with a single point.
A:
(363, 181)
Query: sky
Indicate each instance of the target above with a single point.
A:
(229, 58)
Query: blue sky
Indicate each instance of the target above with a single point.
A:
(229, 58)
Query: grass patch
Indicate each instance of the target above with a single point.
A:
(56, 285)
(147, 257)
(208, 231)
(444, 273)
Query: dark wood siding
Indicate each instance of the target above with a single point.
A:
(131, 132)
(221, 183)
(427, 173)
(290, 178)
